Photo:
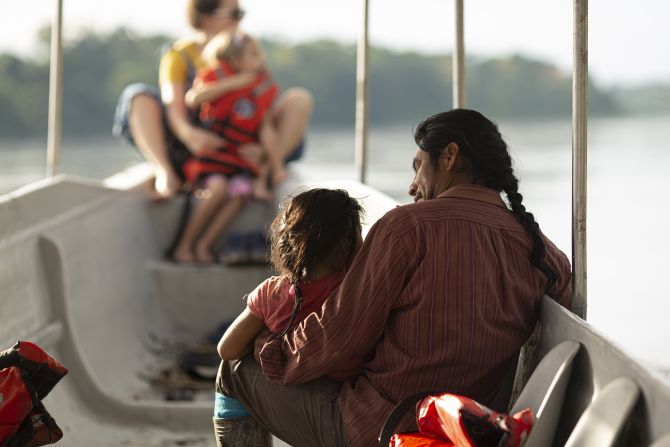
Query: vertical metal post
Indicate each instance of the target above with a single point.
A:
(361, 145)
(458, 59)
(579, 128)
(55, 92)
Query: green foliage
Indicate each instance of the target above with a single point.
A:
(95, 70)
(520, 87)
(24, 88)
(404, 87)
(325, 68)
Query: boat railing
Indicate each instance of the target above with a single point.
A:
(362, 96)
(458, 59)
(580, 80)
(55, 93)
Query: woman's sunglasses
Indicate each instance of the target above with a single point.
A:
(233, 13)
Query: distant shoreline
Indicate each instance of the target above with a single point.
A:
(404, 86)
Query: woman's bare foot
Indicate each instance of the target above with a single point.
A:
(203, 255)
(166, 184)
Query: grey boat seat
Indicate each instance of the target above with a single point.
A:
(606, 415)
(545, 391)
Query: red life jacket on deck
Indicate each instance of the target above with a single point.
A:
(235, 116)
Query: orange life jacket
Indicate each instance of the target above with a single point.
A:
(236, 116)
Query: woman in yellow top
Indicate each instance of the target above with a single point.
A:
(159, 124)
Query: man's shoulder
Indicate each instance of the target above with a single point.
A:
(424, 210)
(404, 217)
(399, 212)
(442, 211)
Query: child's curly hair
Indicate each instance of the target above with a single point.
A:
(312, 227)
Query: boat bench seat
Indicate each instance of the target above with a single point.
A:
(544, 392)
(603, 419)
(584, 390)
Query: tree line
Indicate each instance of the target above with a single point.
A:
(404, 86)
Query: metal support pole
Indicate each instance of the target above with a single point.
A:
(458, 60)
(579, 143)
(361, 145)
(55, 93)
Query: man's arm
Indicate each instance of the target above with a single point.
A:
(562, 289)
(350, 322)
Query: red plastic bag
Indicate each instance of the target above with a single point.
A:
(467, 423)
(15, 401)
(37, 429)
(43, 370)
(417, 440)
(27, 374)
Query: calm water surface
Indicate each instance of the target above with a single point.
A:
(628, 209)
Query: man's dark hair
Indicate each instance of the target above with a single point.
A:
(486, 157)
(312, 227)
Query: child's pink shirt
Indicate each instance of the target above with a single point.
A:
(272, 303)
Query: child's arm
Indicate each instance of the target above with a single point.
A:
(239, 335)
(203, 92)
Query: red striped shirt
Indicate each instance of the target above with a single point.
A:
(440, 297)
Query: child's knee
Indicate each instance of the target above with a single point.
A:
(216, 185)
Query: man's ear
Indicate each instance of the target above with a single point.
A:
(450, 156)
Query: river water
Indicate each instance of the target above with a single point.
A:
(627, 216)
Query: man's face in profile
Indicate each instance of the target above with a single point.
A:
(432, 179)
(425, 178)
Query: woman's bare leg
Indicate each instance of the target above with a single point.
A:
(290, 118)
(203, 247)
(208, 200)
(146, 126)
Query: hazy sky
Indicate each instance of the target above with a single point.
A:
(629, 41)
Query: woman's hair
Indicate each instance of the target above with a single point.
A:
(487, 158)
(225, 46)
(313, 227)
(195, 9)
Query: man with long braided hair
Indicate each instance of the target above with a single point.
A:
(441, 296)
